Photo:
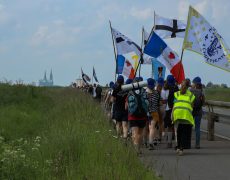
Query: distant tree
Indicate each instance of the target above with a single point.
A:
(215, 86)
(224, 86)
(209, 85)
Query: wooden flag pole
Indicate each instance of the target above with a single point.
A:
(142, 45)
(114, 49)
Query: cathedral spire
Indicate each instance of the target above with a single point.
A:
(51, 76)
(45, 79)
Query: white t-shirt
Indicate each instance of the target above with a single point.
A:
(164, 96)
(94, 92)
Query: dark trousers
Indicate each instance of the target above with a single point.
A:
(184, 135)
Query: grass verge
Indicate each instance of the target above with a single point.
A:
(60, 133)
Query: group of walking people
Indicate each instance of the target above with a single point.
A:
(162, 111)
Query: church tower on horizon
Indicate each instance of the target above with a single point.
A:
(47, 82)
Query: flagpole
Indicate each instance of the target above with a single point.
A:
(142, 45)
(139, 63)
(115, 55)
(154, 27)
(92, 76)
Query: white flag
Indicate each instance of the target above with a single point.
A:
(124, 45)
(146, 58)
(203, 38)
(169, 28)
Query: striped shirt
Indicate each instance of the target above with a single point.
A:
(154, 100)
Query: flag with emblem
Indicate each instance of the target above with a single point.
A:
(158, 69)
(125, 67)
(127, 48)
(125, 45)
(157, 48)
(169, 28)
(204, 39)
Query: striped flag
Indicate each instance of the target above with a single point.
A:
(125, 67)
(157, 48)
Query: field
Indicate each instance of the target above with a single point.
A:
(60, 133)
(218, 94)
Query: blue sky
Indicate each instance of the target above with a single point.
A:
(66, 35)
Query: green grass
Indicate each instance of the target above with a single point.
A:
(60, 133)
(218, 94)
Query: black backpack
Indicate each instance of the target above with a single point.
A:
(198, 102)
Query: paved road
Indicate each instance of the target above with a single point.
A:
(211, 162)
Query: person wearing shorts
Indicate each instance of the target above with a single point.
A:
(120, 114)
(137, 124)
(154, 104)
(163, 100)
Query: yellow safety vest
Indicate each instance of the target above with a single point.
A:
(182, 109)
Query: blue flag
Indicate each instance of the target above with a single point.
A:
(158, 69)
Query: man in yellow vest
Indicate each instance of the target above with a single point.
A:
(182, 115)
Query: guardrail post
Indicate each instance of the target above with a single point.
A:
(211, 126)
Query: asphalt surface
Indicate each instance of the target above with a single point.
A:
(211, 162)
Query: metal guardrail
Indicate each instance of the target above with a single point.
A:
(218, 103)
(215, 117)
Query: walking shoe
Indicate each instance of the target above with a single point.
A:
(180, 152)
(197, 146)
(155, 142)
(151, 147)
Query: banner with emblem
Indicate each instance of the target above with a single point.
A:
(127, 48)
(204, 39)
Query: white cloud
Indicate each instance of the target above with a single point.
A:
(142, 14)
(56, 34)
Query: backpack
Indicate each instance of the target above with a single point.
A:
(138, 103)
(198, 102)
(170, 99)
(98, 91)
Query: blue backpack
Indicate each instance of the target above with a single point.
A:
(138, 103)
